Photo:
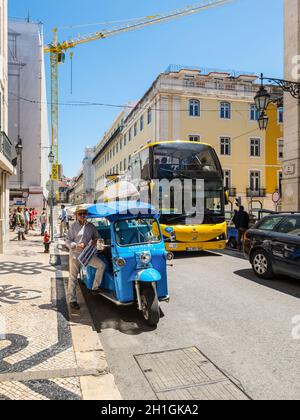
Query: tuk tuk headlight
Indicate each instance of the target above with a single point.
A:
(169, 256)
(120, 262)
(145, 258)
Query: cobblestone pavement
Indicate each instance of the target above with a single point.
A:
(37, 358)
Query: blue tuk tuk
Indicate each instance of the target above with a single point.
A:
(134, 255)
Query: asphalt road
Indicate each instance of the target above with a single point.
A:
(244, 325)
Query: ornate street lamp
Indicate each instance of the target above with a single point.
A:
(262, 99)
(263, 121)
(19, 151)
(51, 157)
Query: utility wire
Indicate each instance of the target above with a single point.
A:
(100, 104)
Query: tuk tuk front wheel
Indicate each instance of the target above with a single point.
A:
(150, 304)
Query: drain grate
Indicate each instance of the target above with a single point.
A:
(187, 374)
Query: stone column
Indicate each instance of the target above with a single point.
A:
(291, 162)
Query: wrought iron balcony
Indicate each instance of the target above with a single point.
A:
(232, 192)
(260, 192)
(5, 146)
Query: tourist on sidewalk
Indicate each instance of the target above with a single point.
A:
(43, 220)
(63, 217)
(241, 220)
(31, 219)
(27, 220)
(20, 224)
(47, 242)
(80, 235)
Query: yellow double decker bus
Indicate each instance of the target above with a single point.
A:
(176, 162)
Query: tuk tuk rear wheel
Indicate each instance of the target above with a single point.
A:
(150, 304)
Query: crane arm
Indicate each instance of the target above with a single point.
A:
(143, 22)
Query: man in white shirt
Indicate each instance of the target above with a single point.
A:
(63, 221)
(79, 236)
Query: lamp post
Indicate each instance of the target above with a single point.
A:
(19, 151)
(263, 97)
(51, 158)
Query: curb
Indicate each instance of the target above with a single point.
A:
(89, 352)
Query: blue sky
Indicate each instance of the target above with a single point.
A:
(242, 35)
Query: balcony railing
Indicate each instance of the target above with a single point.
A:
(261, 192)
(5, 146)
(232, 192)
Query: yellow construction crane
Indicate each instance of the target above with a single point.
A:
(57, 56)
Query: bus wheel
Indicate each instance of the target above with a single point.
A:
(150, 304)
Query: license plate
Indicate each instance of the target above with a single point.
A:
(194, 249)
(173, 246)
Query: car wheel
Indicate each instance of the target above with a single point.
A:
(262, 265)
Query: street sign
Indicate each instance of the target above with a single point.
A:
(276, 197)
(55, 169)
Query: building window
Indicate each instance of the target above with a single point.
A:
(125, 140)
(253, 113)
(117, 148)
(121, 144)
(227, 178)
(280, 146)
(130, 135)
(121, 166)
(142, 123)
(125, 163)
(280, 115)
(149, 116)
(225, 110)
(135, 130)
(194, 108)
(194, 138)
(225, 143)
(255, 180)
(255, 148)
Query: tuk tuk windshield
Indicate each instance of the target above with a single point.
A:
(137, 232)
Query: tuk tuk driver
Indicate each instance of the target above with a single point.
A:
(79, 236)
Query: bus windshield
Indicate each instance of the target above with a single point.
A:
(185, 160)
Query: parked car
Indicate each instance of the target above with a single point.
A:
(273, 246)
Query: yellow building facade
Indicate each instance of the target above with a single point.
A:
(210, 106)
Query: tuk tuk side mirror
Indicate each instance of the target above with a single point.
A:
(226, 195)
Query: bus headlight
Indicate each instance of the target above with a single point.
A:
(145, 258)
(120, 262)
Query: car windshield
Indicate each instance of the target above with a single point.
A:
(269, 223)
(137, 231)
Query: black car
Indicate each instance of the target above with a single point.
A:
(273, 246)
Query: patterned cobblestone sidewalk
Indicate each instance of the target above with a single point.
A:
(37, 358)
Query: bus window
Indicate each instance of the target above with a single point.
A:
(145, 164)
(136, 167)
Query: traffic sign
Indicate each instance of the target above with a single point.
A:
(55, 170)
(54, 187)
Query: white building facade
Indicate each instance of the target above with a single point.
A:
(28, 122)
(6, 168)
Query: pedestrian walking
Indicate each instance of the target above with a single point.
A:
(241, 220)
(63, 217)
(27, 220)
(13, 220)
(31, 219)
(43, 221)
(20, 224)
(79, 236)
